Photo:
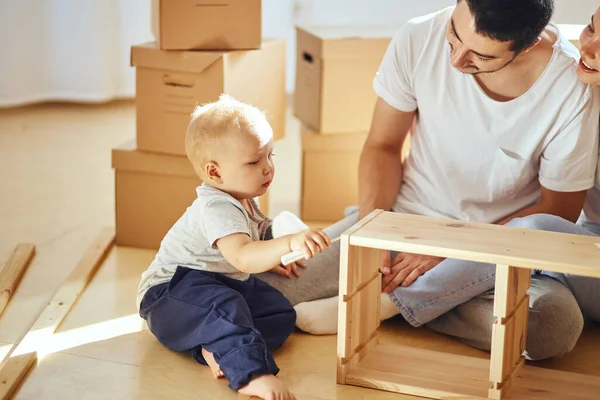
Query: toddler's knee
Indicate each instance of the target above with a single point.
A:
(541, 222)
(286, 320)
(289, 318)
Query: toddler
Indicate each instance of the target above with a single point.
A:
(199, 294)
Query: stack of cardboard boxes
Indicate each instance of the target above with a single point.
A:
(202, 49)
(334, 100)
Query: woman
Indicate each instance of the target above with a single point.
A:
(586, 290)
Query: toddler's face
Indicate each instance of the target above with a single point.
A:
(246, 168)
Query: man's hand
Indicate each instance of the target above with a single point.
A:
(385, 262)
(288, 270)
(406, 268)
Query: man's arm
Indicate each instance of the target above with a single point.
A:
(566, 205)
(380, 166)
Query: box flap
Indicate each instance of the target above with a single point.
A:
(343, 142)
(150, 56)
(127, 158)
(349, 41)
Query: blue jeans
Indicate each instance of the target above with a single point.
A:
(240, 322)
(453, 282)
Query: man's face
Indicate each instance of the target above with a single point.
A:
(473, 53)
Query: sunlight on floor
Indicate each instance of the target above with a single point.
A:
(45, 343)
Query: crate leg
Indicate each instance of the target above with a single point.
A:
(509, 334)
(359, 305)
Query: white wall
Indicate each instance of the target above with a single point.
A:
(390, 11)
(278, 22)
(575, 11)
(69, 49)
(356, 12)
(280, 16)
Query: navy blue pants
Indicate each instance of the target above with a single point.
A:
(240, 322)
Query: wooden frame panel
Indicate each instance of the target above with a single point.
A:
(358, 271)
(362, 361)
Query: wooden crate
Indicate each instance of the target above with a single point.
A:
(363, 361)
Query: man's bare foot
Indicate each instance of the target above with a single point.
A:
(267, 387)
(214, 367)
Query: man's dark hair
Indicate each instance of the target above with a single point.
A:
(519, 21)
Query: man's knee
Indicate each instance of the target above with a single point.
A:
(541, 222)
(555, 320)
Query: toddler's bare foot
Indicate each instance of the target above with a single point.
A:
(267, 387)
(214, 367)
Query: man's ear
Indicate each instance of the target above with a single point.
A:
(527, 49)
(211, 169)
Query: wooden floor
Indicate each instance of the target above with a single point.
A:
(57, 192)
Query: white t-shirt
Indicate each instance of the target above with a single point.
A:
(476, 159)
(191, 241)
(591, 209)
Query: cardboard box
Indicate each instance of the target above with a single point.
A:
(330, 174)
(207, 24)
(170, 84)
(335, 68)
(151, 192)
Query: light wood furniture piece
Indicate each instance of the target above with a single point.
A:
(363, 361)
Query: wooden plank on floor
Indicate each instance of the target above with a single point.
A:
(13, 373)
(23, 354)
(13, 271)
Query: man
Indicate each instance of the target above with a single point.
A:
(501, 130)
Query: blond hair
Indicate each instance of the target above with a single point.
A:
(211, 123)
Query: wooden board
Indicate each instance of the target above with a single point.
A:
(444, 376)
(494, 244)
(351, 278)
(13, 271)
(24, 354)
(13, 373)
(420, 372)
(509, 338)
(511, 286)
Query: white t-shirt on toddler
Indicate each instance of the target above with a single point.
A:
(191, 242)
(476, 159)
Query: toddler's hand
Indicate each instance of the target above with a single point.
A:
(310, 241)
(289, 270)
